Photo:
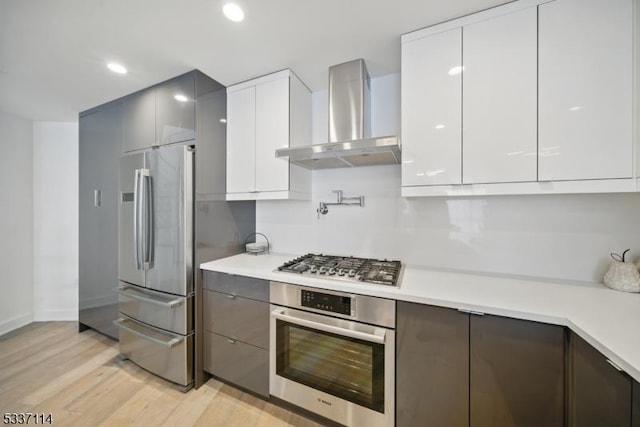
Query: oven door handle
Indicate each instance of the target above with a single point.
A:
(377, 337)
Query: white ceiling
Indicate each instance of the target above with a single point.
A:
(53, 52)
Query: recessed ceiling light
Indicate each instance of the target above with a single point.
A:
(223, 120)
(180, 97)
(116, 68)
(233, 12)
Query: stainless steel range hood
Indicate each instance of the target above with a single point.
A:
(350, 143)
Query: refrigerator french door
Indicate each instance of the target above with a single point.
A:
(155, 261)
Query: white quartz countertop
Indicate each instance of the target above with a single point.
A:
(605, 318)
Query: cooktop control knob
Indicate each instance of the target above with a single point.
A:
(322, 270)
(313, 269)
(352, 272)
(341, 272)
(332, 271)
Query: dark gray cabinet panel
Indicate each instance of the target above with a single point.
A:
(456, 369)
(175, 110)
(139, 120)
(246, 287)
(239, 363)
(516, 373)
(635, 407)
(100, 142)
(600, 395)
(432, 374)
(236, 336)
(243, 319)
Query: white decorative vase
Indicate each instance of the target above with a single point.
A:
(623, 276)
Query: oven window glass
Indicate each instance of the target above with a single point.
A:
(345, 367)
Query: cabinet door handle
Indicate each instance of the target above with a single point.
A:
(231, 296)
(231, 341)
(614, 365)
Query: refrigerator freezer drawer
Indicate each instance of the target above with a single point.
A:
(170, 312)
(165, 354)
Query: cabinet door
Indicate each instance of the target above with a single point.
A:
(139, 111)
(241, 138)
(100, 145)
(499, 142)
(517, 373)
(585, 99)
(272, 132)
(175, 110)
(431, 97)
(600, 395)
(432, 367)
(635, 409)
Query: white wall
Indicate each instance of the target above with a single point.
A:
(55, 220)
(16, 219)
(557, 236)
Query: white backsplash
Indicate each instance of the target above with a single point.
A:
(556, 236)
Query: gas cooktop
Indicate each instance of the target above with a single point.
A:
(350, 269)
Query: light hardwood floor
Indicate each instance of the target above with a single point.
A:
(48, 367)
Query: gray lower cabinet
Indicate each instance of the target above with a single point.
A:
(236, 323)
(456, 369)
(516, 372)
(599, 394)
(239, 363)
(432, 374)
(242, 319)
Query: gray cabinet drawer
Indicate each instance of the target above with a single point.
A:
(239, 318)
(239, 363)
(241, 286)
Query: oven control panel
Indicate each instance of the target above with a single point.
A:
(326, 302)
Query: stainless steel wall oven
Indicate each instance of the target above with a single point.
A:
(333, 353)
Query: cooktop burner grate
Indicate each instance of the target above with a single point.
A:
(353, 269)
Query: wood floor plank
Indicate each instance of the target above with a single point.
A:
(197, 402)
(77, 377)
(62, 382)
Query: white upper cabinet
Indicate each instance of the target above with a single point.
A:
(263, 115)
(272, 132)
(499, 142)
(586, 89)
(431, 106)
(542, 101)
(241, 131)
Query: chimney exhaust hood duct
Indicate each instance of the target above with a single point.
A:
(350, 143)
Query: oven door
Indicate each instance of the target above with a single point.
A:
(340, 369)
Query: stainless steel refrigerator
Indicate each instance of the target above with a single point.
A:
(155, 261)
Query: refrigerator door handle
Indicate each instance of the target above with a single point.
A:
(137, 218)
(122, 290)
(177, 339)
(150, 222)
(146, 220)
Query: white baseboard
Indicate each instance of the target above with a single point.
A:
(56, 315)
(15, 323)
